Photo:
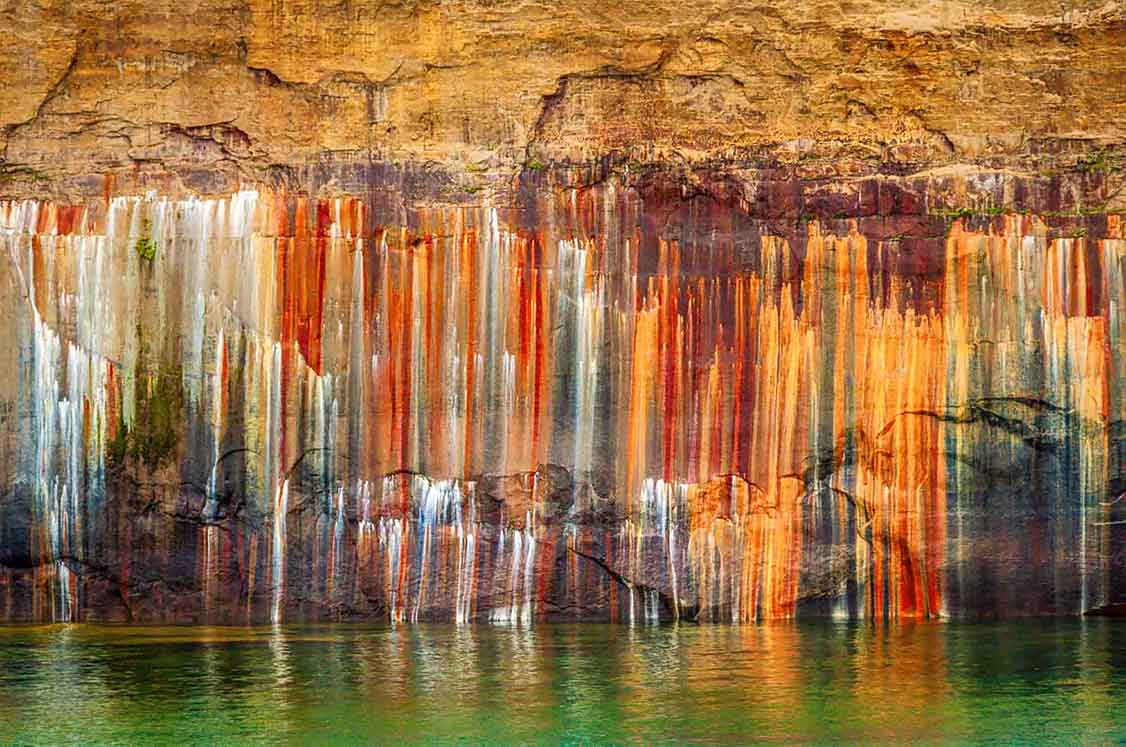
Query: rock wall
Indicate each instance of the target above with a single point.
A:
(503, 311)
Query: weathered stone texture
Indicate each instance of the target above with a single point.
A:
(832, 89)
(610, 309)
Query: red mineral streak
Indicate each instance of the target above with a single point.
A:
(741, 413)
(302, 277)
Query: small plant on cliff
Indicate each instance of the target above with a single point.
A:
(1093, 163)
(146, 247)
(956, 213)
(534, 164)
(154, 434)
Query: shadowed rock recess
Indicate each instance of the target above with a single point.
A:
(506, 311)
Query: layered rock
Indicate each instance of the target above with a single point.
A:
(265, 408)
(204, 95)
(607, 311)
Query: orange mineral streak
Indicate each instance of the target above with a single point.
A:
(729, 417)
(752, 424)
(302, 281)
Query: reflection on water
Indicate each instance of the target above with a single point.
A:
(1056, 680)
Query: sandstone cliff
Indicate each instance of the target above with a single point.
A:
(504, 310)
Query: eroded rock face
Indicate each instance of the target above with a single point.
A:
(600, 311)
(261, 407)
(199, 96)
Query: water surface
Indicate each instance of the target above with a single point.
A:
(1060, 681)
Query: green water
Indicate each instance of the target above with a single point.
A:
(1032, 681)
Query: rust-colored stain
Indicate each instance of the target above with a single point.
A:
(467, 420)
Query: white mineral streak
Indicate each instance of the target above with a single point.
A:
(68, 410)
(393, 391)
(516, 553)
(275, 472)
(585, 307)
(281, 508)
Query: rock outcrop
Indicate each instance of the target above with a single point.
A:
(496, 310)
